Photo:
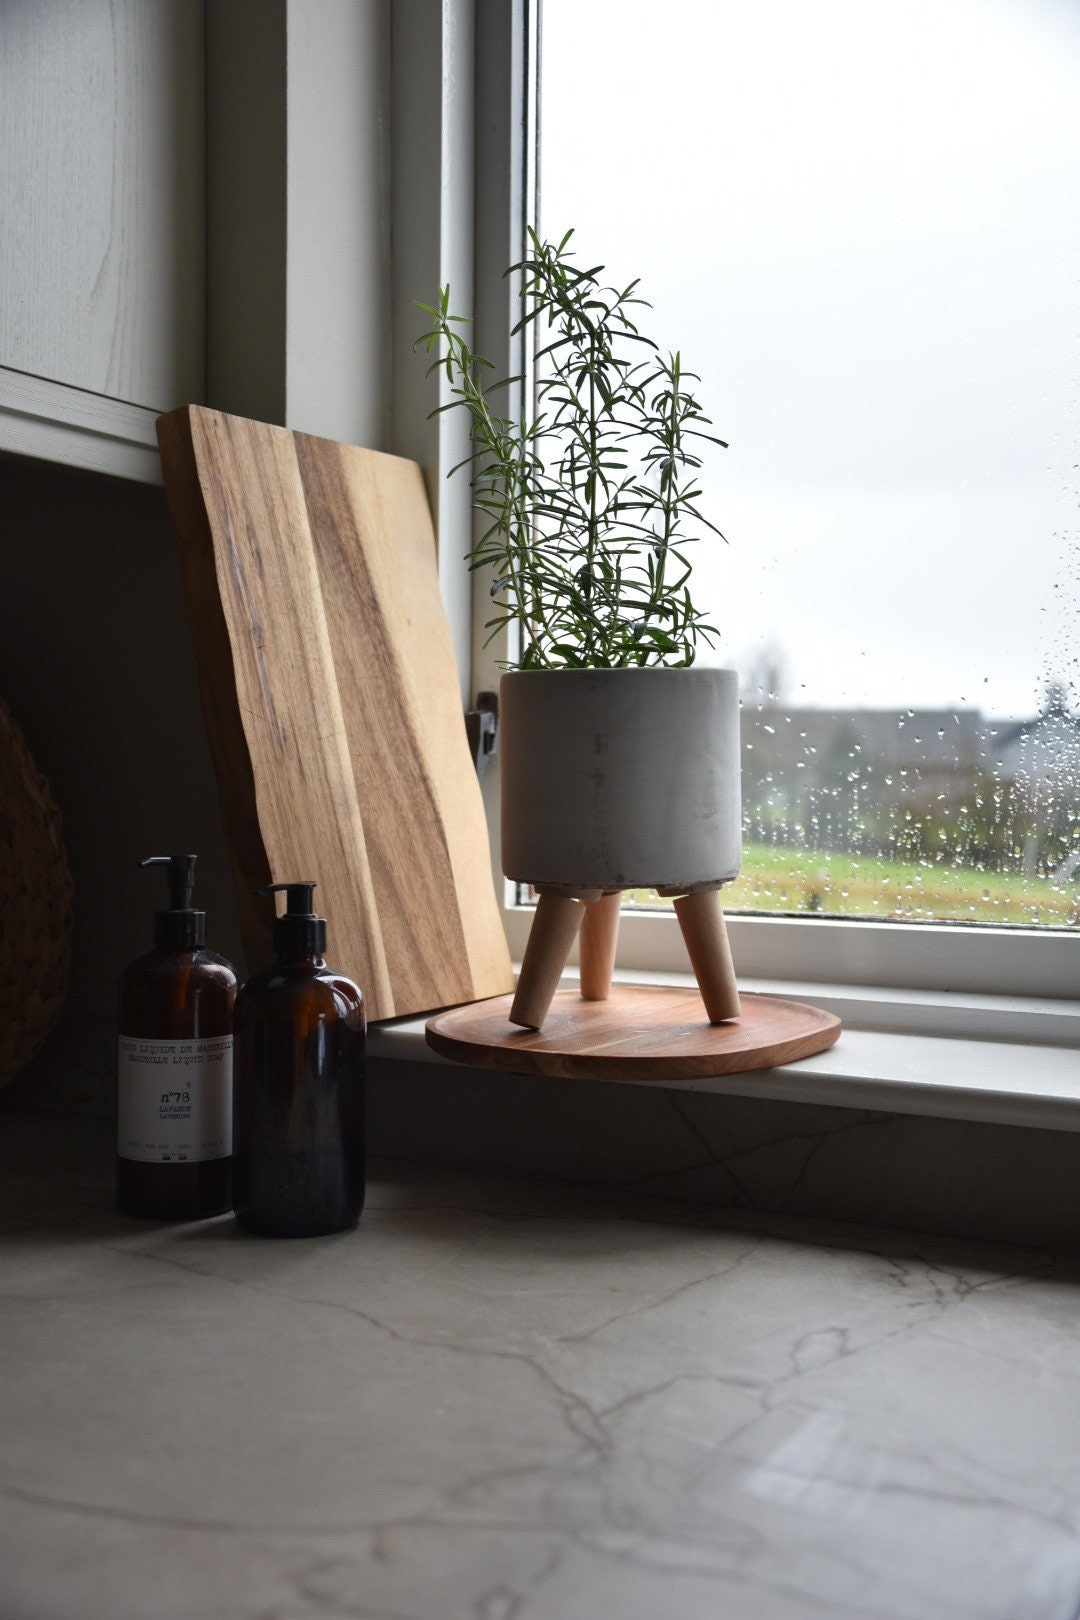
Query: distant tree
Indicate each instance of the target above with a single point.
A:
(765, 679)
(1056, 698)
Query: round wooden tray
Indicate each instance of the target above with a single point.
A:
(642, 1032)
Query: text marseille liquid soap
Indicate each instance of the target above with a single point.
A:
(174, 1104)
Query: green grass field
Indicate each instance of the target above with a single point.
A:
(794, 880)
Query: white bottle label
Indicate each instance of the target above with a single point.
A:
(174, 1105)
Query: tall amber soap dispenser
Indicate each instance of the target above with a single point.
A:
(298, 1106)
(174, 1113)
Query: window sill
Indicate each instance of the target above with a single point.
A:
(1001, 1060)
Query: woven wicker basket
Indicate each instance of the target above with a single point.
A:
(35, 904)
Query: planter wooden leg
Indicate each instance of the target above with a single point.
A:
(701, 918)
(599, 937)
(553, 932)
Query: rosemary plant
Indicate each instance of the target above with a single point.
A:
(593, 500)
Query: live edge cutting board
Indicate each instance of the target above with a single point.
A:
(332, 704)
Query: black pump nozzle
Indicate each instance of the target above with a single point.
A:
(298, 932)
(180, 928)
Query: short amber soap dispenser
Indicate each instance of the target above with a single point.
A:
(174, 1104)
(298, 1105)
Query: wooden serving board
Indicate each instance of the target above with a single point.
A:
(332, 703)
(642, 1032)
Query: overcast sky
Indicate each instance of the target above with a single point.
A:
(860, 223)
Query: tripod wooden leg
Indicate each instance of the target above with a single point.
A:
(701, 918)
(599, 937)
(553, 932)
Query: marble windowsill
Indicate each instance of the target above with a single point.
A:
(511, 1399)
(1024, 1071)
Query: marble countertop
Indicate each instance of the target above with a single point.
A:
(518, 1400)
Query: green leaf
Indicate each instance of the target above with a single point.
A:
(588, 495)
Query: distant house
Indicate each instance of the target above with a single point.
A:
(834, 777)
(864, 779)
(933, 746)
(1043, 751)
(797, 746)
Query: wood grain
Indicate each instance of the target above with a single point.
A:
(701, 921)
(598, 945)
(331, 701)
(554, 930)
(641, 1033)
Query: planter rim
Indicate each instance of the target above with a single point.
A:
(693, 670)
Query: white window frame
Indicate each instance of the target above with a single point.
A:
(490, 188)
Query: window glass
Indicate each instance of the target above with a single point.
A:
(860, 225)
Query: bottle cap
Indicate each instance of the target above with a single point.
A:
(181, 928)
(298, 932)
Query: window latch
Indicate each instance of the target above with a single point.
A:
(481, 726)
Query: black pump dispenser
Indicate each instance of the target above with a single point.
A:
(298, 932)
(181, 928)
(298, 1085)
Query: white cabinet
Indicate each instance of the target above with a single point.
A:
(102, 226)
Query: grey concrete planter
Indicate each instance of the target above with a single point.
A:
(620, 779)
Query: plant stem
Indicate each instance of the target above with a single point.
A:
(588, 501)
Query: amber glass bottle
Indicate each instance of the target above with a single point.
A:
(174, 1113)
(298, 1100)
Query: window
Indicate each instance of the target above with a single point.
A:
(868, 248)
